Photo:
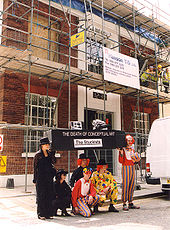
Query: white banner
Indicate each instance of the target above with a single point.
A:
(87, 143)
(120, 68)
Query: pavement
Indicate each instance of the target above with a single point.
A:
(145, 191)
(18, 211)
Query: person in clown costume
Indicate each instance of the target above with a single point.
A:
(105, 185)
(82, 162)
(84, 195)
(128, 157)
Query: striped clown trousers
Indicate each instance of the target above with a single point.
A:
(84, 207)
(128, 182)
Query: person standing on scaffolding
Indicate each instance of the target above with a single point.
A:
(147, 76)
(166, 79)
(128, 158)
(82, 162)
(159, 71)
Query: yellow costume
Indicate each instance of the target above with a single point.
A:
(102, 181)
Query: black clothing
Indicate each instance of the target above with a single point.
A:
(77, 174)
(44, 173)
(62, 199)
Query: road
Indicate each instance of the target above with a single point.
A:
(20, 213)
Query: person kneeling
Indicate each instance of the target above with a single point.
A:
(105, 185)
(84, 195)
(62, 193)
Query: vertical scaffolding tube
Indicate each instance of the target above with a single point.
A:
(104, 85)
(69, 92)
(49, 29)
(162, 109)
(28, 106)
(156, 63)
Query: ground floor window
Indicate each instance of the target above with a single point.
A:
(41, 114)
(141, 128)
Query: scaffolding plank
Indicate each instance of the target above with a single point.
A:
(43, 67)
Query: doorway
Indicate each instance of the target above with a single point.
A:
(95, 155)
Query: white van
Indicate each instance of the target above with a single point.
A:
(158, 153)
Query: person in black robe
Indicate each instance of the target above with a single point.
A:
(62, 193)
(44, 173)
(82, 163)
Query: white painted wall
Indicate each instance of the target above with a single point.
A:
(166, 110)
(19, 180)
(112, 105)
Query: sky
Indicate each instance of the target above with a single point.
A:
(163, 14)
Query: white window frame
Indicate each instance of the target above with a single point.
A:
(38, 105)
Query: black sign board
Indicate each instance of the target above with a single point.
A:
(64, 139)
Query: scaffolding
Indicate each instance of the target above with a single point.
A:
(38, 44)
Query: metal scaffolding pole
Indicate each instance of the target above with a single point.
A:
(69, 84)
(95, 37)
(156, 64)
(28, 106)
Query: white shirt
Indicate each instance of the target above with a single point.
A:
(85, 187)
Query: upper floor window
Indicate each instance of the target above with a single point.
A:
(95, 56)
(44, 41)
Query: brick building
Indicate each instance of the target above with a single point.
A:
(42, 32)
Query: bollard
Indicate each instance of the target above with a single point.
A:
(10, 183)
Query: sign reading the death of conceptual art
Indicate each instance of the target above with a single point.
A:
(120, 68)
(1, 142)
(86, 139)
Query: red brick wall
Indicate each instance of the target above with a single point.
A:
(1, 95)
(20, 40)
(13, 87)
(128, 48)
(129, 105)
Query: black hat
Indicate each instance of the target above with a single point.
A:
(83, 156)
(102, 162)
(61, 171)
(44, 141)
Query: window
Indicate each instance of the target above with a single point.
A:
(142, 127)
(44, 41)
(41, 113)
(95, 56)
(141, 122)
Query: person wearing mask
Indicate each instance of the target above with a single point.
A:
(128, 157)
(62, 193)
(105, 186)
(44, 173)
(82, 162)
(84, 194)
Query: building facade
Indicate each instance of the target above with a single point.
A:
(41, 101)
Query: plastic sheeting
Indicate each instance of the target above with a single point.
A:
(76, 4)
